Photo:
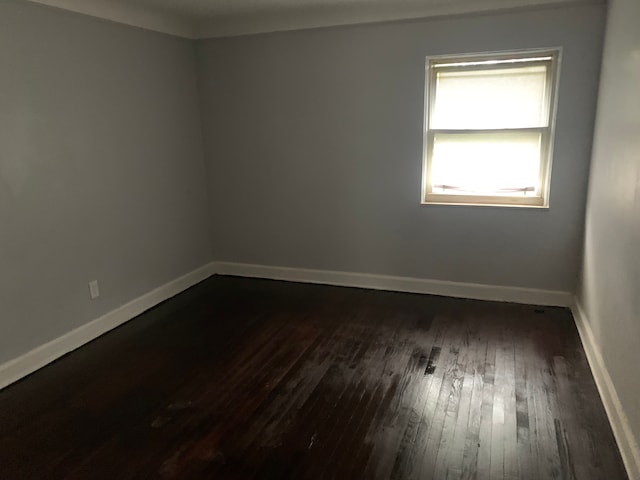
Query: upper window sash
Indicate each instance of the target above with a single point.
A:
(482, 122)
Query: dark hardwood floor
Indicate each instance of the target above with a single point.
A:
(240, 379)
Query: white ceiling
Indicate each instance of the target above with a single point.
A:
(216, 18)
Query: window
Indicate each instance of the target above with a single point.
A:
(489, 128)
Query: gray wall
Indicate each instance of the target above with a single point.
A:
(314, 148)
(100, 169)
(610, 287)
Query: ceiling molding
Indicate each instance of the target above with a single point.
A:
(128, 14)
(282, 20)
(293, 17)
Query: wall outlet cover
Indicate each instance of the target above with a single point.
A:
(94, 290)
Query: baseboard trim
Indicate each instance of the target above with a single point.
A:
(20, 367)
(627, 443)
(399, 284)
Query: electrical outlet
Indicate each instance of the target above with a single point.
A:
(94, 290)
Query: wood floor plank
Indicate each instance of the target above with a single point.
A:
(405, 459)
(351, 460)
(350, 418)
(526, 448)
(483, 468)
(449, 463)
(546, 412)
(472, 440)
(441, 396)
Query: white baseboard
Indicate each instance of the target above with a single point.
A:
(400, 284)
(37, 358)
(627, 443)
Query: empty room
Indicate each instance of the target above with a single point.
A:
(320, 239)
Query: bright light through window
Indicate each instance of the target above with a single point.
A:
(485, 164)
(488, 131)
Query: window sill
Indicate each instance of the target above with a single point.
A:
(499, 205)
(474, 201)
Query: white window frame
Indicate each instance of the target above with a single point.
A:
(486, 61)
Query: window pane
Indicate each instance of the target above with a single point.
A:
(486, 163)
(485, 99)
